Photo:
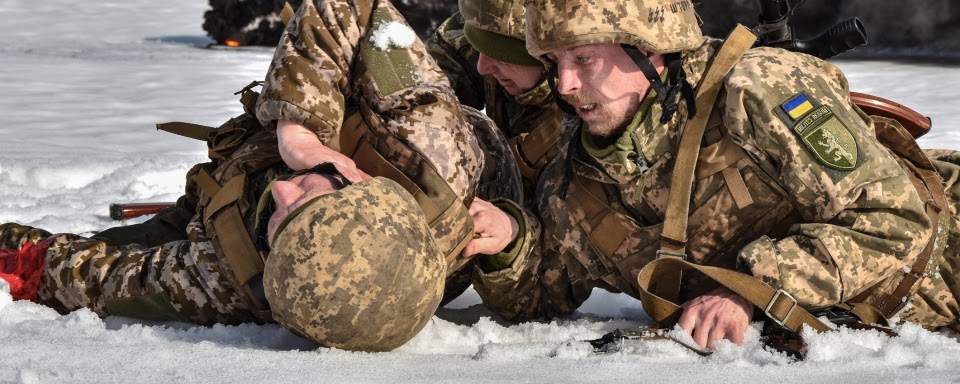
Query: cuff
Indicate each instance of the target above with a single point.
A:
(504, 260)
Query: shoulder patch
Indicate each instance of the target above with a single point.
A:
(390, 65)
(828, 138)
(797, 106)
(821, 131)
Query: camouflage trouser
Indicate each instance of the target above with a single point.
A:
(179, 280)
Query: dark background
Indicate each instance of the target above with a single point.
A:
(906, 29)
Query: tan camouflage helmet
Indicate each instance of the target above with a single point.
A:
(357, 269)
(659, 26)
(496, 29)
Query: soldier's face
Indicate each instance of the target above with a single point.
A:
(515, 78)
(291, 194)
(603, 84)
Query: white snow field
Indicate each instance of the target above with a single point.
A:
(86, 82)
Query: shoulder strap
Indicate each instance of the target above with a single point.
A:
(673, 240)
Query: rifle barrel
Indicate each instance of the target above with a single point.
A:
(130, 210)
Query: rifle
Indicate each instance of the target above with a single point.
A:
(775, 30)
(121, 211)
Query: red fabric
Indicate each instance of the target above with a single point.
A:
(21, 268)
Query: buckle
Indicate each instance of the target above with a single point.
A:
(682, 256)
(766, 310)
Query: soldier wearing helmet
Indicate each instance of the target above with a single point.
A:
(259, 237)
(792, 184)
(482, 51)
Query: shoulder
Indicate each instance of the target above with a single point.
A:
(767, 70)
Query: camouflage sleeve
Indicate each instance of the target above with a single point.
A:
(863, 220)
(179, 280)
(327, 63)
(545, 280)
(458, 60)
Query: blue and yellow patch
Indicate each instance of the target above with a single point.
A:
(824, 134)
(797, 106)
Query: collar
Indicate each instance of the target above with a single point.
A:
(537, 96)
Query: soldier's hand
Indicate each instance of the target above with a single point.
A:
(717, 315)
(300, 148)
(494, 228)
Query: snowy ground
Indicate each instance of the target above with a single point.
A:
(85, 83)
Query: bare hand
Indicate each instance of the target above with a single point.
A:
(300, 148)
(717, 315)
(495, 229)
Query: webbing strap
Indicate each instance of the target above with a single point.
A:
(675, 222)
(674, 237)
(193, 131)
(236, 246)
(930, 188)
(286, 13)
(535, 145)
(430, 190)
(777, 304)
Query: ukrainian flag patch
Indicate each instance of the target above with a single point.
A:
(797, 106)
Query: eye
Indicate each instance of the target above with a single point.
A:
(582, 59)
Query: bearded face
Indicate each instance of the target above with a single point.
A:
(603, 84)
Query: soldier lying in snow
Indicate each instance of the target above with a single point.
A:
(315, 247)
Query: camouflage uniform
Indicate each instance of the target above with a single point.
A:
(518, 117)
(823, 220)
(325, 69)
(179, 276)
(332, 64)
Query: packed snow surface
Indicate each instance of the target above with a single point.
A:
(86, 82)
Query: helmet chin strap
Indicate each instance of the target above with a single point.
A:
(552, 77)
(676, 82)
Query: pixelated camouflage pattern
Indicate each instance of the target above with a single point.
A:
(516, 116)
(935, 304)
(318, 75)
(184, 275)
(505, 17)
(821, 234)
(661, 26)
(377, 279)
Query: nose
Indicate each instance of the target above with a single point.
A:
(285, 193)
(569, 80)
(486, 65)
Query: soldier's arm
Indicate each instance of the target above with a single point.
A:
(458, 60)
(336, 54)
(308, 81)
(864, 220)
(533, 278)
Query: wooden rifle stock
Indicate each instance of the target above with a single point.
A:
(128, 211)
(915, 123)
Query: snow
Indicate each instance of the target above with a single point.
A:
(394, 34)
(86, 82)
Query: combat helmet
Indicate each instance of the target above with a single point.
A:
(496, 29)
(667, 27)
(356, 269)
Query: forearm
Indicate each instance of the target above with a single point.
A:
(309, 79)
(822, 264)
(300, 148)
(536, 283)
